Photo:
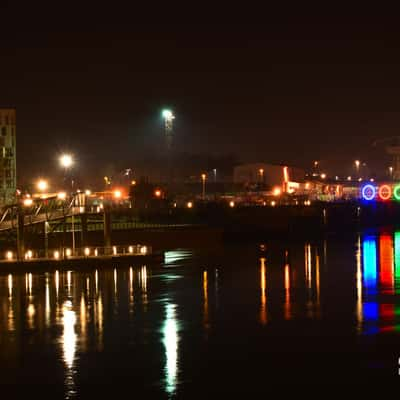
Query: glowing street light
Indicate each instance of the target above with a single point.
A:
(391, 172)
(117, 194)
(261, 172)
(42, 185)
(66, 161)
(323, 176)
(203, 179)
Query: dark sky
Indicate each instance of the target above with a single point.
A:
(282, 87)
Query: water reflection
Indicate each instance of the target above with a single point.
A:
(380, 269)
(263, 286)
(170, 341)
(69, 347)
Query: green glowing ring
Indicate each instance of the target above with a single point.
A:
(396, 193)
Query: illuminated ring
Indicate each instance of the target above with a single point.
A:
(365, 195)
(396, 193)
(385, 192)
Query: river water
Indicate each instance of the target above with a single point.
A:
(228, 319)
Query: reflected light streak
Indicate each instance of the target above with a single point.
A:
(96, 281)
(386, 262)
(115, 281)
(143, 280)
(397, 257)
(69, 346)
(10, 285)
(317, 283)
(31, 315)
(47, 302)
(205, 297)
(308, 265)
(288, 314)
(57, 281)
(263, 285)
(359, 308)
(170, 341)
(131, 290)
(369, 264)
(69, 282)
(30, 283)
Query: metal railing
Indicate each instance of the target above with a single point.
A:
(66, 253)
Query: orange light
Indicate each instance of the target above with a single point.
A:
(385, 192)
(157, 193)
(28, 202)
(117, 194)
(133, 183)
(277, 191)
(203, 177)
(285, 174)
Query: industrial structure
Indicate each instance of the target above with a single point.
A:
(287, 178)
(8, 173)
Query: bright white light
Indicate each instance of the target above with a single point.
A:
(117, 194)
(87, 251)
(66, 160)
(273, 203)
(68, 252)
(115, 250)
(167, 114)
(61, 195)
(130, 249)
(42, 185)
(231, 204)
(88, 192)
(69, 336)
(9, 255)
(170, 341)
(323, 176)
(189, 204)
(56, 254)
(28, 202)
(143, 250)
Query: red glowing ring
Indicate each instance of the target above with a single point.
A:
(385, 192)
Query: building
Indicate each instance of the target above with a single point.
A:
(8, 165)
(268, 175)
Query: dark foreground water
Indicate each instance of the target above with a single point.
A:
(229, 319)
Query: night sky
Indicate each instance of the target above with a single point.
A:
(282, 88)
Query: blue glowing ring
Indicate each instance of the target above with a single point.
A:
(365, 190)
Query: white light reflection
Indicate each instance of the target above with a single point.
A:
(69, 346)
(47, 302)
(57, 280)
(10, 285)
(170, 341)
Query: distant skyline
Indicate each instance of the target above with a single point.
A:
(287, 89)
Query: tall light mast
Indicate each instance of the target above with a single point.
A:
(168, 128)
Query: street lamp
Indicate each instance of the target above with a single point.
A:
(169, 117)
(203, 179)
(42, 185)
(261, 172)
(391, 172)
(66, 162)
(357, 164)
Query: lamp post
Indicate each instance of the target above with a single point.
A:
(203, 179)
(357, 164)
(169, 117)
(261, 172)
(66, 162)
